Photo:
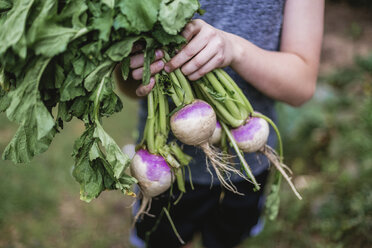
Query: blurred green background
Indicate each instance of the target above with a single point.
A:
(328, 144)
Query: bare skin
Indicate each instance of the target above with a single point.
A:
(288, 75)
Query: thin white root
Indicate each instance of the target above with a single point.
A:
(221, 167)
(275, 160)
(144, 209)
(271, 150)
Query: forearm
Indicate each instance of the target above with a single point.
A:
(289, 75)
(283, 76)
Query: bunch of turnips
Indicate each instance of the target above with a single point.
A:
(56, 64)
(213, 114)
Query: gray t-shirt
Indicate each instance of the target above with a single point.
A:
(260, 22)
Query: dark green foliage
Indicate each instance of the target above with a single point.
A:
(355, 3)
(56, 61)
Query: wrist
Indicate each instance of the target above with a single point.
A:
(236, 48)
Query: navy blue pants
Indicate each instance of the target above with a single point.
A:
(223, 218)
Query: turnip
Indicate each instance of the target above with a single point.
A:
(194, 123)
(249, 130)
(251, 136)
(217, 135)
(153, 174)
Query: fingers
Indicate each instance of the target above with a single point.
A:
(143, 90)
(189, 51)
(155, 67)
(215, 62)
(192, 28)
(199, 34)
(199, 60)
(136, 61)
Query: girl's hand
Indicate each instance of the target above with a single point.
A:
(207, 48)
(136, 64)
(132, 87)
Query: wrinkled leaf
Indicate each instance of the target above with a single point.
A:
(96, 76)
(72, 87)
(12, 29)
(103, 24)
(174, 14)
(85, 171)
(164, 38)
(122, 49)
(140, 14)
(53, 39)
(117, 159)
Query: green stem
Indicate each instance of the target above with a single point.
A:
(162, 109)
(165, 153)
(183, 158)
(237, 89)
(189, 96)
(150, 134)
(173, 226)
(230, 105)
(180, 180)
(241, 100)
(197, 91)
(205, 97)
(190, 177)
(241, 158)
(183, 82)
(177, 88)
(220, 108)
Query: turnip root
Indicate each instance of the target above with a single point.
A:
(154, 177)
(152, 172)
(194, 125)
(251, 136)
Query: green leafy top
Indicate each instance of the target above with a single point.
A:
(56, 61)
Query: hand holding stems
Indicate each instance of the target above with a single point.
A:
(132, 86)
(207, 48)
(288, 75)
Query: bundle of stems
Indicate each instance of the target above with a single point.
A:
(156, 133)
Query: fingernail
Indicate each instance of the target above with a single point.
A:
(152, 80)
(159, 53)
(160, 63)
(167, 68)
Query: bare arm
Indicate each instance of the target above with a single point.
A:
(288, 75)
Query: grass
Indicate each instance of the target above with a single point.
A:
(40, 205)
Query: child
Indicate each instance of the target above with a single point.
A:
(272, 50)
